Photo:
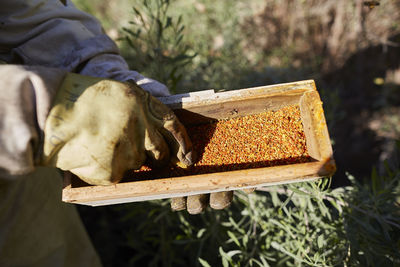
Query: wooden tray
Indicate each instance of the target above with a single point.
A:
(192, 108)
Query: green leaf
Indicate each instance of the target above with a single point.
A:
(138, 13)
(320, 241)
(277, 246)
(224, 256)
(168, 23)
(298, 191)
(275, 199)
(179, 19)
(233, 253)
(287, 200)
(204, 263)
(233, 238)
(179, 39)
(257, 262)
(264, 261)
(180, 30)
(245, 240)
(201, 232)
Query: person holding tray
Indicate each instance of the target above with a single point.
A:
(69, 103)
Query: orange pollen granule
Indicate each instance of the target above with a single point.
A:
(266, 139)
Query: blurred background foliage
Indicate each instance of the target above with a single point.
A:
(352, 50)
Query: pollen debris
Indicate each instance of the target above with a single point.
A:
(262, 140)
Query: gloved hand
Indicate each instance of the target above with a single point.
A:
(98, 129)
(198, 203)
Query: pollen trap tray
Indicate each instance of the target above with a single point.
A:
(245, 138)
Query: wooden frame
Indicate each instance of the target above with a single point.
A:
(194, 107)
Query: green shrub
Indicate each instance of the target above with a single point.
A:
(156, 45)
(306, 224)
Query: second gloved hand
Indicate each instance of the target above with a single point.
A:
(196, 204)
(98, 129)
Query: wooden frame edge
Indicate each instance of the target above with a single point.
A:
(198, 184)
(233, 180)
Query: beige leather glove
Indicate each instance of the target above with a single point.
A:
(98, 129)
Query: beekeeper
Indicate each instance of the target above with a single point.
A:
(68, 102)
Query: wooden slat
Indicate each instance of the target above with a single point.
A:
(190, 100)
(196, 184)
(315, 128)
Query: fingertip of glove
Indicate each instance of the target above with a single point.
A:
(178, 203)
(196, 204)
(221, 200)
(188, 159)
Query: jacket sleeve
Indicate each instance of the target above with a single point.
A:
(55, 34)
(26, 95)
